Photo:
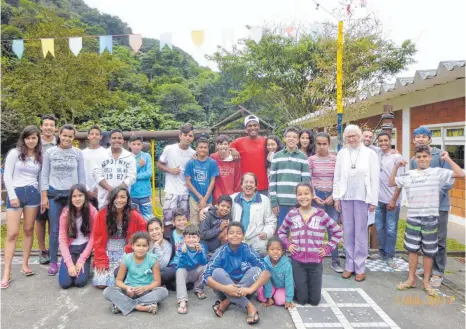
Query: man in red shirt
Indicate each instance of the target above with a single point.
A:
(251, 149)
(229, 180)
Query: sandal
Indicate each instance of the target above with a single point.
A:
(183, 309)
(402, 286)
(5, 284)
(201, 295)
(28, 272)
(216, 307)
(254, 317)
(153, 308)
(115, 309)
(431, 292)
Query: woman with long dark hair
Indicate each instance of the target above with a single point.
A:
(114, 226)
(21, 177)
(306, 142)
(63, 166)
(75, 238)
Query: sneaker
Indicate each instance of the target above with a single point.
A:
(377, 256)
(53, 269)
(44, 257)
(336, 267)
(391, 263)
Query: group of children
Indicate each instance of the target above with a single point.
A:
(137, 257)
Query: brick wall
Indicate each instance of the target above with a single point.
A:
(443, 112)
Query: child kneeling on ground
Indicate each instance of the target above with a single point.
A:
(311, 222)
(141, 289)
(279, 290)
(191, 267)
(423, 186)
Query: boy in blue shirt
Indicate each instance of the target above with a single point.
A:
(141, 190)
(191, 265)
(200, 176)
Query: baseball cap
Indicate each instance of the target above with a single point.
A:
(250, 118)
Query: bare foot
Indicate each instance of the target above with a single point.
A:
(142, 308)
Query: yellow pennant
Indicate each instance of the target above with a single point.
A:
(48, 47)
(198, 37)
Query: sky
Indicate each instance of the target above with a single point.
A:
(435, 26)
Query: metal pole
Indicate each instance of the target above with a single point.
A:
(340, 84)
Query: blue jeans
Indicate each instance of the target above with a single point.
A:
(64, 279)
(144, 206)
(55, 209)
(281, 216)
(333, 213)
(386, 224)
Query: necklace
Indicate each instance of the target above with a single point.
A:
(353, 164)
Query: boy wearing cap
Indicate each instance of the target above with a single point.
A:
(251, 149)
(423, 186)
(423, 136)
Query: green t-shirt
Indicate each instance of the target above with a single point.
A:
(139, 274)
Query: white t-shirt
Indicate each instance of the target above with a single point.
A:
(80, 237)
(423, 190)
(92, 159)
(174, 157)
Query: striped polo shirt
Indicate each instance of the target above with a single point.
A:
(288, 169)
(322, 170)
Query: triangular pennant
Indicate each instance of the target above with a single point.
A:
(197, 37)
(135, 41)
(48, 46)
(18, 48)
(166, 40)
(289, 30)
(228, 35)
(105, 43)
(75, 44)
(256, 33)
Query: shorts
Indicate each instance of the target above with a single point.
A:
(144, 206)
(29, 197)
(171, 202)
(422, 231)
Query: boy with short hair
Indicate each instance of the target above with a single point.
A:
(423, 187)
(173, 162)
(214, 227)
(141, 190)
(289, 167)
(229, 179)
(200, 178)
(93, 155)
(191, 267)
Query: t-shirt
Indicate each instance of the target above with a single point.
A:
(322, 170)
(423, 190)
(92, 159)
(252, 152)
(80, 237)
(177, 240)
(229, 179)
(139, 274)
(201, 172)
(174, 157)
(20, 173)
(246, 211)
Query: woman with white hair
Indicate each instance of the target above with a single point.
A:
(355, 191)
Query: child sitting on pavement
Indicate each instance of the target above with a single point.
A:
(191, 267)
(423, 187)
(213, 227)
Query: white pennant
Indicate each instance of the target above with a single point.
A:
(76, 44)
(256, 33)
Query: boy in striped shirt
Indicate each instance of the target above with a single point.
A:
(289, 168)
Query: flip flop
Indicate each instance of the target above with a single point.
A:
(216, 307)
(115, 309)
(431, 292)
(153, 308)
(201, 295)
(254, 317)
(403, 286)
(28, 272)
(5, 284)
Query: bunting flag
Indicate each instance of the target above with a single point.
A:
(166, 40)
(289, 30)
(75, 44)
(197, 37)
(18, 48)
(228, 36)
(106, 43)
(135, 41)
(48, 46)
(256, 33)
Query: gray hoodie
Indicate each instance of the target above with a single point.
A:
(436, 162)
